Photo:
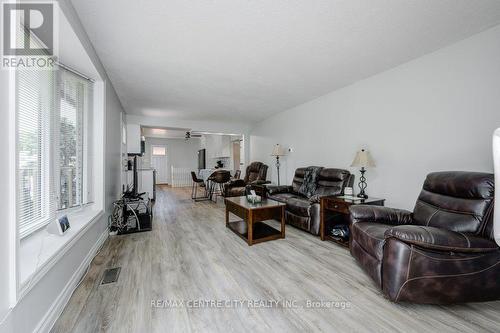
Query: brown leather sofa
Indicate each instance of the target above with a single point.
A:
(303, 211)
(442, 252)
(256, 174)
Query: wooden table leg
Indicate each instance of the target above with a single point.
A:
(227, 216)
(282, 221)
(250, 228)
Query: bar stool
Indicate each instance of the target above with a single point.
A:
(194, 189)
(218, 180)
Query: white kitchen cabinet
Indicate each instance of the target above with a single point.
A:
(133, 139)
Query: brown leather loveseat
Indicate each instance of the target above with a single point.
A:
(442, 252)
(303, 211)
(256, 174)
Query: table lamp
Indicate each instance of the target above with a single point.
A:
(278, 151)
(364, 160)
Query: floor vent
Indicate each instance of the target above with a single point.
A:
(111, 275)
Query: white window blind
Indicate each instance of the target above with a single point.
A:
(35, 102)
(54, 145)
(74, 142)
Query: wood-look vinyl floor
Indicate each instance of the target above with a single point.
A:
(191, 255)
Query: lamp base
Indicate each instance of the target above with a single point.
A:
(362, 195)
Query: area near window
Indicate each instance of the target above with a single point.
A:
(54, 147)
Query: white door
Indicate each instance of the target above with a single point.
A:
(159, 162)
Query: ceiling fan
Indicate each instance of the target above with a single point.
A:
(192, 134)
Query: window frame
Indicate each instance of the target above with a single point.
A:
(49, 166)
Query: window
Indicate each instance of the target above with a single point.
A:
(35, 102)
(54, 120)
(75, 100)
(159, 151)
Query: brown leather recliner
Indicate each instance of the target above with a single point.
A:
(256, 174)
(443, 252)
(303, 211)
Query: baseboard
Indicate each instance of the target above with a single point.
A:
(58, 306)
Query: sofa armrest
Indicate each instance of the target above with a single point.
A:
(370, 213)
(259, 182)
(316, 198)
(273, 189)
(440, 239)
(236, 183)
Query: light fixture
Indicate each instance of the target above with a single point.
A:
(364, 160)
(278, 151)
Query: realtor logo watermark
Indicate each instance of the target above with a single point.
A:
(29, 34)
(249, 303)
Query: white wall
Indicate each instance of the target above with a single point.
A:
(7, 235)
(180, 153)
(219, 127)
(37, 308)
(434, 113)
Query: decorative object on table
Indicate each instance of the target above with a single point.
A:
(364, 160)
(219, 165)
(496, 161)
(278, 151)
(254, 199)
(348, 191)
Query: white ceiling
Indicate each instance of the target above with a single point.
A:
(242, 60)
(164, 133)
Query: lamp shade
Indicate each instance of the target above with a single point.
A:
(278, 151)
(363, 159)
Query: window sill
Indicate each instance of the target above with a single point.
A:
(39, 252)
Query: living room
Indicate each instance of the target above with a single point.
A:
(250, 166)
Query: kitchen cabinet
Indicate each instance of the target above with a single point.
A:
(134, 139)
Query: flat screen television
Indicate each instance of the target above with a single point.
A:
(201, 159)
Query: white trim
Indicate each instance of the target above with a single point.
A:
(47, 265)
(13, 230)
(51, 316)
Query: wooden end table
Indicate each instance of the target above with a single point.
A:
(339, 207)
(251, 228)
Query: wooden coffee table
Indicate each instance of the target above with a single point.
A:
(252, 228)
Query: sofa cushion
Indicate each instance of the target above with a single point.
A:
(281, 197)
(235, 191)
(457, 201)
(298, 221)
(370, 236)
(332, 181)
(298, 205)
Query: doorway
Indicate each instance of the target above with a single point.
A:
(236, 155)
(159, 162)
